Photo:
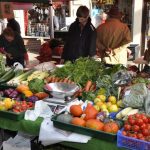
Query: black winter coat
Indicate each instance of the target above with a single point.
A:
(80, 43)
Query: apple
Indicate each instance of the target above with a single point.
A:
(99, 103)
(97, 100)
(97, 107)
(108, 104)
(105, 110)
(113, 108)
(102, 97)
(103, 106)
(112, 99)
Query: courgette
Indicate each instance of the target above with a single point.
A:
(7, 76)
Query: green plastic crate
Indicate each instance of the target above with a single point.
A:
(12, 115)
(83, 130)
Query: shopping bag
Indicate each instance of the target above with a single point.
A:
(6, 10)
(19, 142)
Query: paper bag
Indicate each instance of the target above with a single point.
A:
(6, 10)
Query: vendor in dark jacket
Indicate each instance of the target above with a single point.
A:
(12, 45)
(81, 40)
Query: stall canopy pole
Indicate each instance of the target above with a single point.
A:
(51, 19)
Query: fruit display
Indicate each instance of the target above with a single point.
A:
(88, 118)
(8, 104)
(21, 106)
(137, 126)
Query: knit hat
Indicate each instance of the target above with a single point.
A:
(114, 12)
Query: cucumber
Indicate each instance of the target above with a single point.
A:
(7, 76)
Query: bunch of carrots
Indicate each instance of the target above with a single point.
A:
(89, 87)
(52, 79)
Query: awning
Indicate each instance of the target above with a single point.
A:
(26, 1)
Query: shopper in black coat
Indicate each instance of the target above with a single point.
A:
(81, 40)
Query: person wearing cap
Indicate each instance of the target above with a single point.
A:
(81, 41)
(113, 38)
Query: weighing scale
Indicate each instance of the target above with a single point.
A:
(60, 95)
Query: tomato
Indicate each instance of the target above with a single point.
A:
(139, 135)
(137, 116)
(127, 127)
(139, 122)
(132, 121)
(145, 119)
(134, 136)
(15, 110)
(124, 133)
(148, 126)
(135, 128)
(145, 132)
(143, 126)
(142, 138)
(130, 117)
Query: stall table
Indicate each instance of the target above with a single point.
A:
(33, 127)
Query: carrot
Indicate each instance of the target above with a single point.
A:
(53, 79)
(57, 79)
(48, 79)
(69, 81)
(61, 80)
(88, 85)
(92, 88)
(66, 80)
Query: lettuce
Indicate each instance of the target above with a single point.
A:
(36, 85)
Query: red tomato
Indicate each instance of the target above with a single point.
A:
(132, 121)
(143, 126)
(130, 117)
(139, 135)
(145, 132)
(142, 138)
(137, 116)
(148, 126)
(127, 127)
(145, 120)
(134, 136)
(135, 128)
(139, 122)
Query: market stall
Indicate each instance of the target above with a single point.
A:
(98, 95)
(28, 126)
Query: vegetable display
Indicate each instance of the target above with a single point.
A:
(81, 71)
(36, 85)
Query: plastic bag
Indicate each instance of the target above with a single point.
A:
(122, 77)
(19, 142)
(45, 66)
(147, 104)
(135, 96)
